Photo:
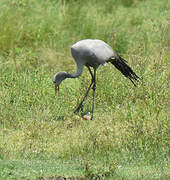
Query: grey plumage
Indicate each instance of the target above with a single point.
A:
(92, 53)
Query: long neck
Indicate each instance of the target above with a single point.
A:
(78, 73)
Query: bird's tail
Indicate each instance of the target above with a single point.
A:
(122, 66)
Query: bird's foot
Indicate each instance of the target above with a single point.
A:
(80, 107)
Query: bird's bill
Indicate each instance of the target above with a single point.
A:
(57, 89)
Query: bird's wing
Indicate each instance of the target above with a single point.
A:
(102, 51)
(92, 52)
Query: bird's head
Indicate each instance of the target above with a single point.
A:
(58, 78)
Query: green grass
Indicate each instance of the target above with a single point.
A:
(40, 136)
(24, 169)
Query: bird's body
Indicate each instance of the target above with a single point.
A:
(92, 53)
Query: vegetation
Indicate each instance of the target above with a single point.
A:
(40, 136)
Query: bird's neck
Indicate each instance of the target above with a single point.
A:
(78, 73)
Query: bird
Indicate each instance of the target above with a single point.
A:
(92, 53)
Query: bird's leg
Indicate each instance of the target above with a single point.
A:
(94, 88)
(85, 96)
(81, 103)
(90, 72)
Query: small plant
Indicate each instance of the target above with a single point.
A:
(98, 170)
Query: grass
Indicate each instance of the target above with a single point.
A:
(39, 133)
(26, 169)
(23, 169)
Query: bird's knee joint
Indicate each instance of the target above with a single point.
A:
(94, 87)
